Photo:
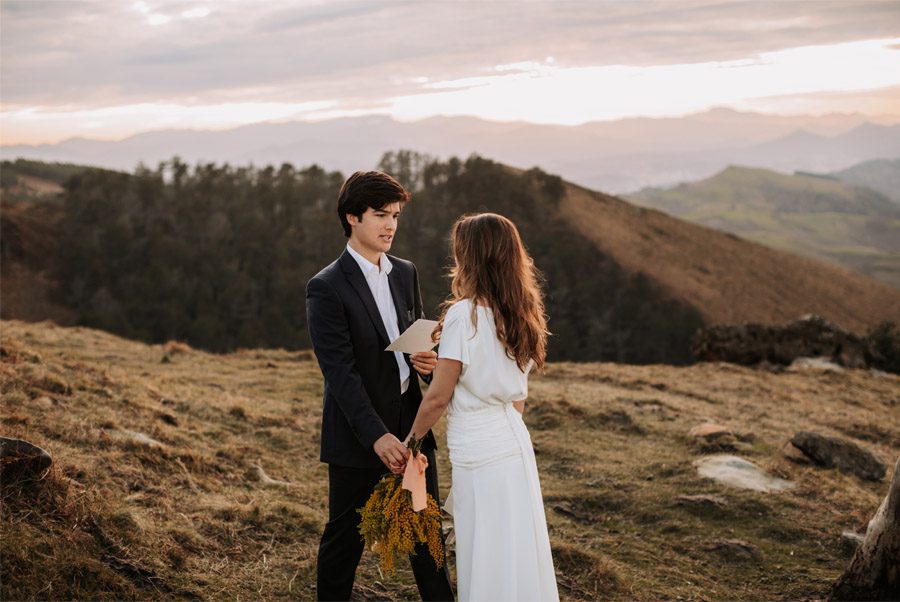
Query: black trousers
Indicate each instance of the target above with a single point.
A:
(341, 546)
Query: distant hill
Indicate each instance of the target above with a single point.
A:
(31, 195)
(219, 258)
(817, 216)
(57, 173)
(30, 233)
(24, 179)
(882, 175)
(613, 156)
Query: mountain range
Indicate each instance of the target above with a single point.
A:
(614, 156)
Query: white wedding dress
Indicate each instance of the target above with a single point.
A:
(502, 545)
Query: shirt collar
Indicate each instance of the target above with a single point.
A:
(368, 268)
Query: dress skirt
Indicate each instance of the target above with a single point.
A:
(502, 545)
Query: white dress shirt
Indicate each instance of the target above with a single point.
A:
(377, 279)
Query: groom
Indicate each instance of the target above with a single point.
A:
(355, 307)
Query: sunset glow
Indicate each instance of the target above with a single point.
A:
(546, 93)
(125, 68)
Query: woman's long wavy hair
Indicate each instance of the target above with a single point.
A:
(493, 269)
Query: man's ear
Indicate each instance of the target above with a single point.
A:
(352, 219)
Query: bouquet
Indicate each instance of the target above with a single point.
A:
(400, 514)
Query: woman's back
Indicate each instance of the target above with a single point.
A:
(502, 546)
(489, 376)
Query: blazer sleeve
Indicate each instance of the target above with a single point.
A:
(330, 335)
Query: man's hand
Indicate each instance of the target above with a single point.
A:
(424, 362)
(392, 452)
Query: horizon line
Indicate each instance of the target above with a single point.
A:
(890, 117)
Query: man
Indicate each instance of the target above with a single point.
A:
(355, 307)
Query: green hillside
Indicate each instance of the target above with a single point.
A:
(882, 175)
(804, 213)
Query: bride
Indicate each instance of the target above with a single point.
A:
(492, 333)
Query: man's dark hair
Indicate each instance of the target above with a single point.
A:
(366, 189)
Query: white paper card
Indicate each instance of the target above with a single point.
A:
(416, 338)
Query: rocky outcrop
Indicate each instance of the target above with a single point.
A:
(846, 456)
(874, 571)
(21, 459)
(810, 336)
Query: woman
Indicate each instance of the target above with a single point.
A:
(492, 333)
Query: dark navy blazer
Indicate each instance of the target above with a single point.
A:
(362, 399)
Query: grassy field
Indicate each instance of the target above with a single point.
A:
(224, 497)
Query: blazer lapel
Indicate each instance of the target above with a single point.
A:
(358, 282)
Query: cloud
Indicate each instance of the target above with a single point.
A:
(545, 93)
(112, 52)
(77, 59)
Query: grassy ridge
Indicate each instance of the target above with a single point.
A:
(57, 173)
(882, 175)
(813, 215)
(200, 516)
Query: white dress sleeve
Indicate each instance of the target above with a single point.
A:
(455, 335)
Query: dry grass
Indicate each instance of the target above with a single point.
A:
(231, 502)
(726, 278)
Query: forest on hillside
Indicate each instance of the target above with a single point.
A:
(219, 256)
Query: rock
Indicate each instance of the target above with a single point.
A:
(701, 501)
(874, 571)
(850, 541)
(734, 549)
(21, 459)
(714, 438)
(738, 472)
(753, 344)
(822, 364)
(846, 456)
(884, 347)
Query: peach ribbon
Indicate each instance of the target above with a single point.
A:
(414, 481)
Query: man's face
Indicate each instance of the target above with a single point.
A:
(374, 233)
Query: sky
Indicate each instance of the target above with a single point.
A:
(107, 69)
